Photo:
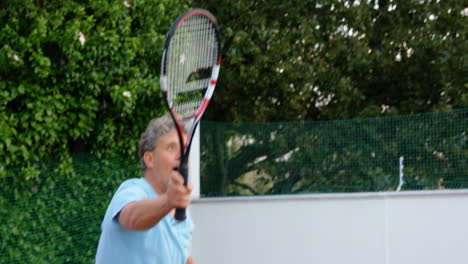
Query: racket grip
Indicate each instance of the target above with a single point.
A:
(180, 214)
(183, 169)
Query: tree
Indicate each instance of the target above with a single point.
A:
(328, 60)
(338, 59)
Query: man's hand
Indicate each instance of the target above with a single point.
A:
(178, 195)
(190, 260)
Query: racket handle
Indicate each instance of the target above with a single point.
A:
(183, 170)
(180, 214)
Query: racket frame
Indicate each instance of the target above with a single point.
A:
(186, 145)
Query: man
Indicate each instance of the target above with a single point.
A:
(139, 225)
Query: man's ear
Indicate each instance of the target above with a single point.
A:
(148, 159)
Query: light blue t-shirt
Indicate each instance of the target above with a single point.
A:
(168, 242)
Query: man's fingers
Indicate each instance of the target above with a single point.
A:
(177, 178)
(179, 194)
(189, 188)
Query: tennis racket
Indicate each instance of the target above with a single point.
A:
(189, 70)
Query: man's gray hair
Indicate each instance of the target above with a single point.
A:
(157, 128)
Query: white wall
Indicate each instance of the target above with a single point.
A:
(366, 228)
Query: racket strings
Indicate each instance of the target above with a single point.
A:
(191, 55)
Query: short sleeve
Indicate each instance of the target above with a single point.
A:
(128, 192)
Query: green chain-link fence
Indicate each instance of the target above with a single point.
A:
(411, 152)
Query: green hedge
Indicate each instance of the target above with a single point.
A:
(58, 220)
(75, 77)
(78, 76)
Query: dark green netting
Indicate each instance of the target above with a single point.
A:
(428, 150)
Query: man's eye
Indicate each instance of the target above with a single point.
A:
(172, 147)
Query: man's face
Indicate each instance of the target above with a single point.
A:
(166, 156)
